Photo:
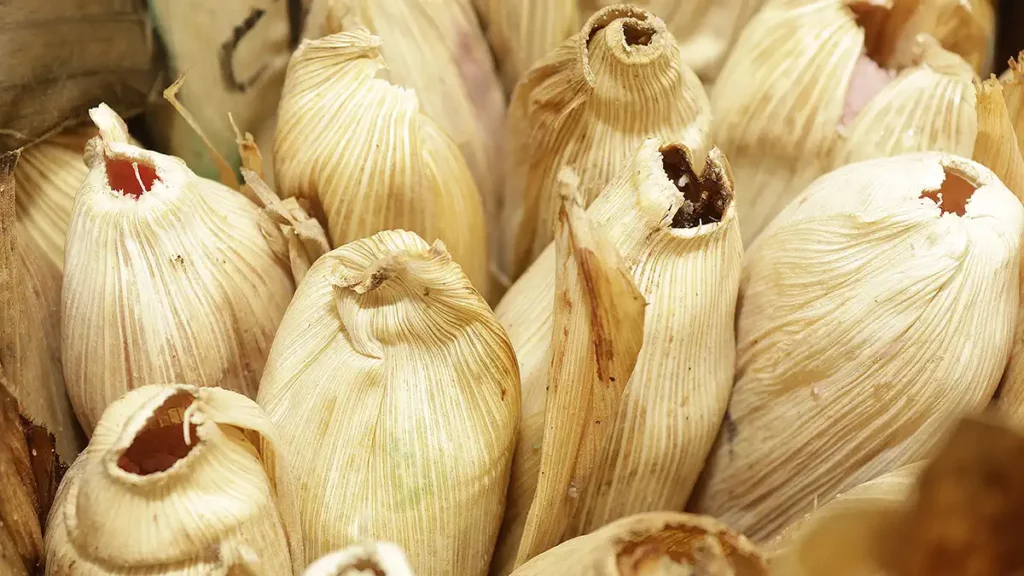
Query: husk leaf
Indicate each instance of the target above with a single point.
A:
(597, 331)
(192, 246)
(677, 232)
(376, 558)
(184, 468)
(590, 103)
(871, 340)
(360, 151)
(397, 394)
(653, 544)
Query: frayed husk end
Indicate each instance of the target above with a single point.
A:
(660, 543)
(996, 145)
(185, 465)
(377, 558)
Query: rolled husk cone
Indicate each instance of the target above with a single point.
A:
(589, 105)
(855, 533)
(174, 482)
(397, 394)
(653, 544)
(235, 52)
(436, 47)
(812, 85)
(871, 340)
(359, 149)
(169, 277)
(376, 558)
(682, 246)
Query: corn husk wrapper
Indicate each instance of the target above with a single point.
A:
(181, 469)
(810, 87)
(653, 544)
(853, 534)
(860, 334)
(397, 394)
(591, 103)
(671, 409)
(235, 52)
(169, 277)
(359, 149)
(436, 48)
(376, 558)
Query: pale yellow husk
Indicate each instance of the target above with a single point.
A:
(396, 392)
(235, 52)
(368, 559)
(180, 283)
(853, 535)
(653, 544)
(781, 101)
(589, 105)
(174, 482)
(673, 405)
(597, 331)
(860, 333)
(361, 151)
(436, 48)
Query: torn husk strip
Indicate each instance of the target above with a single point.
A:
(677, 232)
(996, 145)
(853, 534)
(186, 469)
(147, 230)
(376, 558)
(597, 331)
(860, 333)
(814, 84)
(359, 149)
(397, 394)
(225, 173)
(591, 103)
(652, 544)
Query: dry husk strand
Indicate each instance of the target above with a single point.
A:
(436, 48)
(368, 559)
(181, 469)
(860, 332)
(816, 84)
(524, 31)
(678, 234)
(397, 394)
(653, 544)
(589, 105)
(169, 277)
(359, 149)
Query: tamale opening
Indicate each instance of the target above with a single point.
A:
(953, 195)
(872, 72)
(681, 545)
(132, 177)
(705, 200)
(161, 442)
(637, 33)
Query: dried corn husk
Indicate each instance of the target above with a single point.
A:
(815, 84)
(359, 149)
(684, 256)
(854, 534)
(653, 544)
(397, 394)
(436, 48)
(374, 558)
(173, 482)
(590, 104)
(235, 52)
(61, 57)
(169, 277)
(860, 333)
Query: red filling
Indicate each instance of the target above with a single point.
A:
(130, 177)
(952, 196)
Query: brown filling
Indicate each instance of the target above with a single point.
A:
(161, 442)
(131, 177)
(637, 34)
(705, 197)
(953, 195)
